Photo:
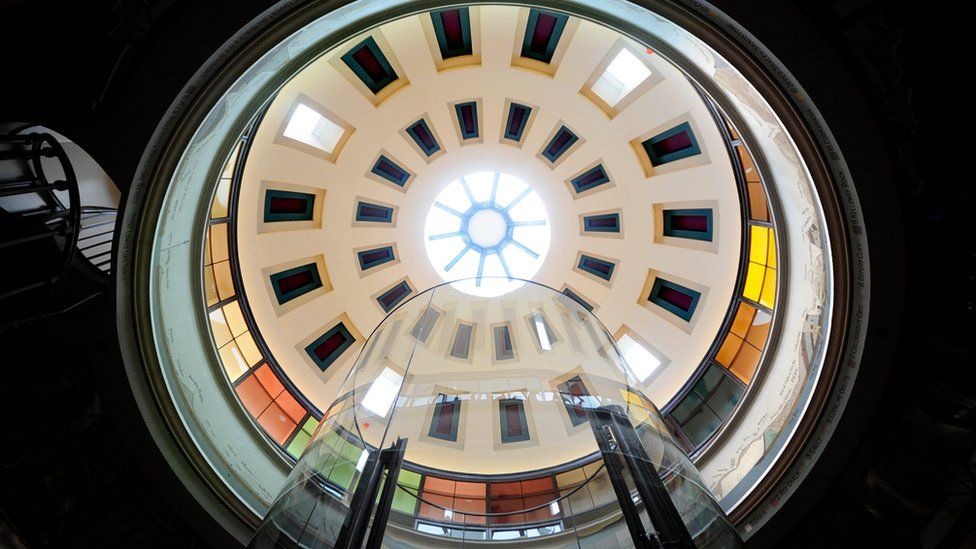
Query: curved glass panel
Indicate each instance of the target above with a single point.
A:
(493, 419)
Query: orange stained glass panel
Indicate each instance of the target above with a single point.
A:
(726, 353)
(277, 423)
(269, 380)
(470, 489)
(743, 319)
(745, 363)
(291, 406)
(437, 485)
(759, 330)
(253, 396)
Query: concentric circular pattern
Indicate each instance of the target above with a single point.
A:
(656, 215)
(490, 225)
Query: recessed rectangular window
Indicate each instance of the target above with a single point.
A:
(453, 30)
(692, 223)
(382, 392)
(559, 144)
(392, 297)
(674, 144)
(329, 346)
(675, 298)
(545, 338)
(367, 61)
(590, 179)
(463, 338)
(576, 297)
(420, 132)
(602, 223)
(295, 282)
(369, 259)
(621, 77)
(467, 118)
(390, 171)
(518, 119)
(515, 428)
(596, 267)
(641, 362)
(376, 213)
(574, 396)
(444, 422)
(288, 206)
(542, 33)
(314, 129)
(502, 340)
(425, 325)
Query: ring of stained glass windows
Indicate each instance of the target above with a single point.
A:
(489, 228)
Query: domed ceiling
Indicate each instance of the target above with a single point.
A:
(497, 141)
(491, 82)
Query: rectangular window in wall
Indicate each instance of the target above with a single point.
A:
(295, 282)
(467, 119)
(590, 179)
(602, 223)
(288, 206)
(314, 128)
(389, 170)
(674, 144)
(599, 268)
(621, 77)
(559, 144)
(368, 63)
(692, 223)
(374, 213)
(422, 135)
(425, 325)
(463, 340)
(542, 33)
(578, 299)
(369, 259)
(574, 396)
(453, 30)
(389, 299)
(542, 332)
(504, 347)
(329, 346)
(515, 427)
(642, 362)
(444, 422)
(516, 121)
(674, 297)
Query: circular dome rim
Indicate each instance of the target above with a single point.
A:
(124, 277)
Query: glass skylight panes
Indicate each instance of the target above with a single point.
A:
(489, 226)
(641, 362)
(310, 127)
(624, 73)
(383, 392)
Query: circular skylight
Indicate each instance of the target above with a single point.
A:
(490, 228)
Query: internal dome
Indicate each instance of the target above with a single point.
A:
(489, 231)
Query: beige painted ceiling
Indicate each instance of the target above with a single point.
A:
(493, 81)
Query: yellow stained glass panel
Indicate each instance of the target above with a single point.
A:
(225, 282)
(771, 257)
(210, 285)
(235, 318)
(249, 349)
(218, 325)
(234, 363)
(754, 282)
(218, 242)
(221, 199)
(768, 296)
(758, 244)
